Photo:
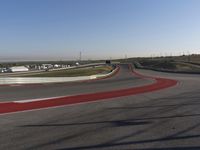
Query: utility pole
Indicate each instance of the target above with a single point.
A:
(80, 56)
(125, 57)
(188, 56)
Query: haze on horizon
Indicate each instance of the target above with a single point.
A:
(100, 29)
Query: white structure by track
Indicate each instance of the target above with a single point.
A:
(18, 69)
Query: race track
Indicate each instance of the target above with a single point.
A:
(155, 118)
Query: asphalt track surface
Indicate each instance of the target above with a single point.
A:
(162, 119)
(123, 79)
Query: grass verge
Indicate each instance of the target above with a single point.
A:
(168, 65)
(72, 72)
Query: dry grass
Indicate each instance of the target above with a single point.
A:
(72, 72)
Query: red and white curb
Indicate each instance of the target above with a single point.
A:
(25, 105)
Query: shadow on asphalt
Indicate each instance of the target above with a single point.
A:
(169, 148)
(112, 145)
(146, 120)
(117, 123)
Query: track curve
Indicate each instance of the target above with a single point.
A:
(22, 105)
(159, 120)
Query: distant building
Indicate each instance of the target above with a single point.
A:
(56, 65)
(18, 69)
(108, 62)
(2, 70)
(46, 66)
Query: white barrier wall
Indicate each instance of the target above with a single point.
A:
(36, 80)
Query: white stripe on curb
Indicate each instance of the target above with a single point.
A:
(38, 99)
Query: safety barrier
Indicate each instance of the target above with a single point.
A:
(37, 80)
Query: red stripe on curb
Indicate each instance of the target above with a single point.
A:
(160, 83)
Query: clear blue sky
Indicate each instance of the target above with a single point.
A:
(59, 29)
